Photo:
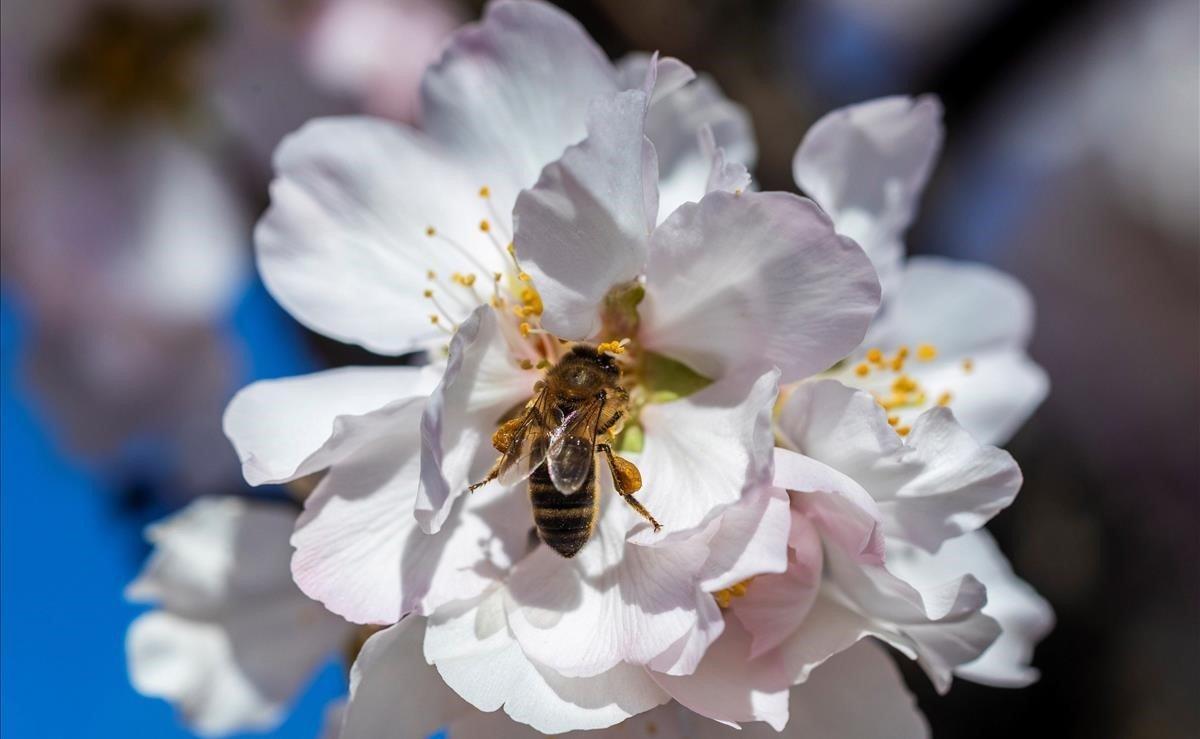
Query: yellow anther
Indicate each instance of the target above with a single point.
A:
(893, 420)
(429, 293)
(497, 302)
(497, 276)
(468, 280)
(611, 347)
(904, 384)
(902, 352)
(896, 400)
(532, 300)
(524, 328)
(430, 231)
(897, 364)
(737, 193)
(903, 430)
(485, 226)
(522, 311)
(511, 249)
(525, 364)
(484, 192)
(926, 352)
(524, 277)
(875, 356)
(725, 596)
(862, 370)
(944, 399)
(430, 275)
(543, 363)
(968, 365)
(434, 319)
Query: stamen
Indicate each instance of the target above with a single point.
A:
(944, 399)
(904, 430)
(968, 365)
(893, 420)
(440, 308)
(436, 321)
(862, 370)
(613, 347)
(926, 352)
(434, 233)
(875, 356)
(725, 596)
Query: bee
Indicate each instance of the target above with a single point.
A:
(554, 442)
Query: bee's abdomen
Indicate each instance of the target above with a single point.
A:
(564, 522)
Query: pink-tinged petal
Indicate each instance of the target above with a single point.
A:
(511, 93)
(473, 650)
(705, 451)
(829, 628)
(969, 312)
(845, 513)
(935, 484)
(831, 702)
(233, 641)
(941, 625)
(584, 226)
(670, 74)
(481, 383)
(775, 606)
(731, 687)
(684, 656)
(751, 540)
(802, 303)
(665, 722)
(1024, 616)
(288, 428)
(724, 174)
(614, 602)
(344, 246)
(360, 551)
(394, 692)
(866, 165)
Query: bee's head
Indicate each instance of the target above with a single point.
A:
(584, 370)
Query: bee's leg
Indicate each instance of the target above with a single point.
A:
(502, 440)
(628, 481)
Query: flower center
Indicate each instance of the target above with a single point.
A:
(885, 375)
(125, 61)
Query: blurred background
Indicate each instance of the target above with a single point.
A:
(136, 154)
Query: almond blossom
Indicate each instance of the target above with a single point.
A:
(949, 333)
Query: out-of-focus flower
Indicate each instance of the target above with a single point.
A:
(231, 641)
(949, 333)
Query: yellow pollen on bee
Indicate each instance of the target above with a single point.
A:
(875, 356)
(485, 192)
(893, 420)
(944, 399)
(524, 328)
(485, 226)
(862, 370)
(725, 596)
(903, 430)
(430, 231)
(926, 352)
(612, 347)
(968, 365)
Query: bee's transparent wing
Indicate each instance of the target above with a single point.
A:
(530, 442)
(572, 452)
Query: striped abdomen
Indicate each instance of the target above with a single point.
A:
(564, 522)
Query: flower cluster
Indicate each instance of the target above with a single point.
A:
(816, 460)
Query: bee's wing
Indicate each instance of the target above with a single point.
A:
(572, 452)
(530, 442)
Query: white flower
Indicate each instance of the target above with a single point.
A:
(231, 641)
(372, 223)
(949, 333)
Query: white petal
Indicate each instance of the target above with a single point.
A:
(933, 485)
(683, 118)
(705, 451)
(360, 551)
(845, 513)
(801, 303)
(614, 602)
(866, 165)
(343, 246)
(729, 686)
(858, 694)
(393, 692)
(1024, 616)
(510, 94)
(752, 539)
(235, 641)
(584, 226)
(482, 382)
(775, 606)
(292, 427)
(476, 655)
(942, 625)
(830, 627)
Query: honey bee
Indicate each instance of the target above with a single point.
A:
(554, 442)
